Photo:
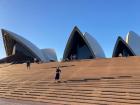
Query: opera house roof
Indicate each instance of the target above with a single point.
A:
(122, 48)
(17, 45)
(133, 40)
(82, 46)
(127, 47)
(79, 46)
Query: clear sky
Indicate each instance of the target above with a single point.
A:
(48, 23)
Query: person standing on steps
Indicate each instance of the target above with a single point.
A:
(57, 76)
(28, 64)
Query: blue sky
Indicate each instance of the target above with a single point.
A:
(48, 23)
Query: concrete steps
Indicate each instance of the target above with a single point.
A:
(88, 92)
(89, 82)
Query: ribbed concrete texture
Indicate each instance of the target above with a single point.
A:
(113, 81)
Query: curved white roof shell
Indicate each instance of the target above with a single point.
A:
(26, 43)
(133, 40)
(49, 54)
(92, 43)
(95, 46)
(121, 45)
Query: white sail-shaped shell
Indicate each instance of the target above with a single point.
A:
(27, 44)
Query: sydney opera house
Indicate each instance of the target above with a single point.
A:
(19, 50)
(127, 47)
(79, 46)
(82, 46)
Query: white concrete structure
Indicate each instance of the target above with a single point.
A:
(133, 40)
(49, 54)
(129, 46)
(122, 49)
(83, 46)
(95, 46)
(14, 42)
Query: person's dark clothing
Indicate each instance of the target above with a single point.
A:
(57, 76)
(28, 64)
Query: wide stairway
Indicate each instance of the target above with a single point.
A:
(87, 82)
